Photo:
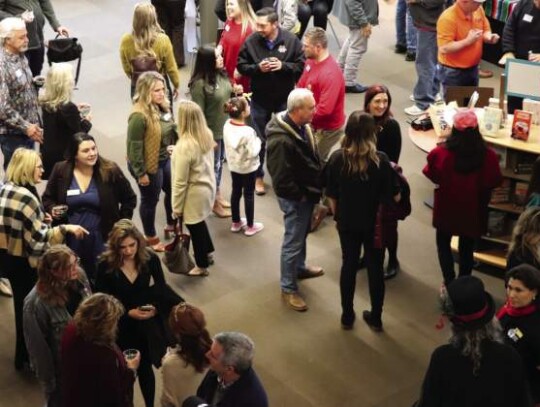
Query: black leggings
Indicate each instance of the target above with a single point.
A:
(446, 259)
(22, 278)
(245, 183)
(320, 10)
(202, 243)
(351, 242)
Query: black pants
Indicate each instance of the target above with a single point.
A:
(351, 242)
(446, 259)
(245, 183)
(202, 243)
(35, 58)
(320, 10)
(22, 278)
(171, 17)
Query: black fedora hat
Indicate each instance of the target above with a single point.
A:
(471, 305)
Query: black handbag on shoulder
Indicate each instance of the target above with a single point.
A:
(65, 49)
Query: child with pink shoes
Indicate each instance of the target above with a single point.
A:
(242, 148)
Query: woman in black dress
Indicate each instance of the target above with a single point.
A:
(358, 179)
(520, 320)
(126, 271)
(377, 102)
(61, 117)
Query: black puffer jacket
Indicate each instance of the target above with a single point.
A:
(293, 162)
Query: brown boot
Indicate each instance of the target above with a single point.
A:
(259, 186)
(220, 211)
(294, 301)
(222, 201)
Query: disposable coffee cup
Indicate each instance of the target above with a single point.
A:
(130, 354)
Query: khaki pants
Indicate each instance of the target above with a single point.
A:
(328, 141)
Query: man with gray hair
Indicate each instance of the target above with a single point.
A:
(231, 380)
(295, 168)
(19, 117)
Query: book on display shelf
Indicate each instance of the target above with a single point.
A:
(521, 125)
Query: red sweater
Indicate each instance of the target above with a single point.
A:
(325, 80)
(461, 200)
(231, 41)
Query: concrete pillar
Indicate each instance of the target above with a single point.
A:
(209, 21)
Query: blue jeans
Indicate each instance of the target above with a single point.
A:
(260, 116)
(458, 77)
(10, 142)
(219, 157)
(427, 85)
(160, 181)
(405, 29)
(297, 220)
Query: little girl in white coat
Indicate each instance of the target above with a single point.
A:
(242, 148)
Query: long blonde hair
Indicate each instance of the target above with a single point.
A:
(359, 144)
(58, 86)
(145, 28)
(192, 125)
(246, 12)
(142, 101)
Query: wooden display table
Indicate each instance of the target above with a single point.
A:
(510, 152)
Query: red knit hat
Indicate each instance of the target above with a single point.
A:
(465, 119)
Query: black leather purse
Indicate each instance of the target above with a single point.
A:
(65, 49)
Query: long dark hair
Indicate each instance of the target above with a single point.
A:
(205, 67)
(373, 91)
(360, 144)
(469, 148)
(103, 166)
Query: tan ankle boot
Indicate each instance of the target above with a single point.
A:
(222, 201)
(220, 211)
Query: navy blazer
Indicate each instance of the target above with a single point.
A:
(247, 391)
(116, 197)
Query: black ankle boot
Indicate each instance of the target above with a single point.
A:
(347, 320)
(371, 322)
(391, 270)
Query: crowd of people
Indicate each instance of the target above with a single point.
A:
(90, 297)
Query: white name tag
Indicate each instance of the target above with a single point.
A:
(527, 18)
(73, 192)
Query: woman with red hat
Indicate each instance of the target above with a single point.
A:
(466, 171)
(476, 368)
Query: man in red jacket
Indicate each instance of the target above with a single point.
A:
(324, 78)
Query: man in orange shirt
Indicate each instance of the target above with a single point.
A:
(461, 31)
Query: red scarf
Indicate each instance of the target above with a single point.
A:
(508, 309)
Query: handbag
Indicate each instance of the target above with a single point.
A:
(65, 49)
(140, 65)
(177, 257)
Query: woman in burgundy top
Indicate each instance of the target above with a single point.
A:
(94, 370)
(466, 171)
(239, 25)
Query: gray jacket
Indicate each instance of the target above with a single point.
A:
(43, 326)
(357, 13)
(42, 9)
(425, 13)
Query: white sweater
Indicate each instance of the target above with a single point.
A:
(242, 147)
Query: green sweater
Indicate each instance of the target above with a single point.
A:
(135, 141)
(211, 100)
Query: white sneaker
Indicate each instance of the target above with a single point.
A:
(238, 226)
(411, 98)
(5, 288)
(414, 111)
(256, 228)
